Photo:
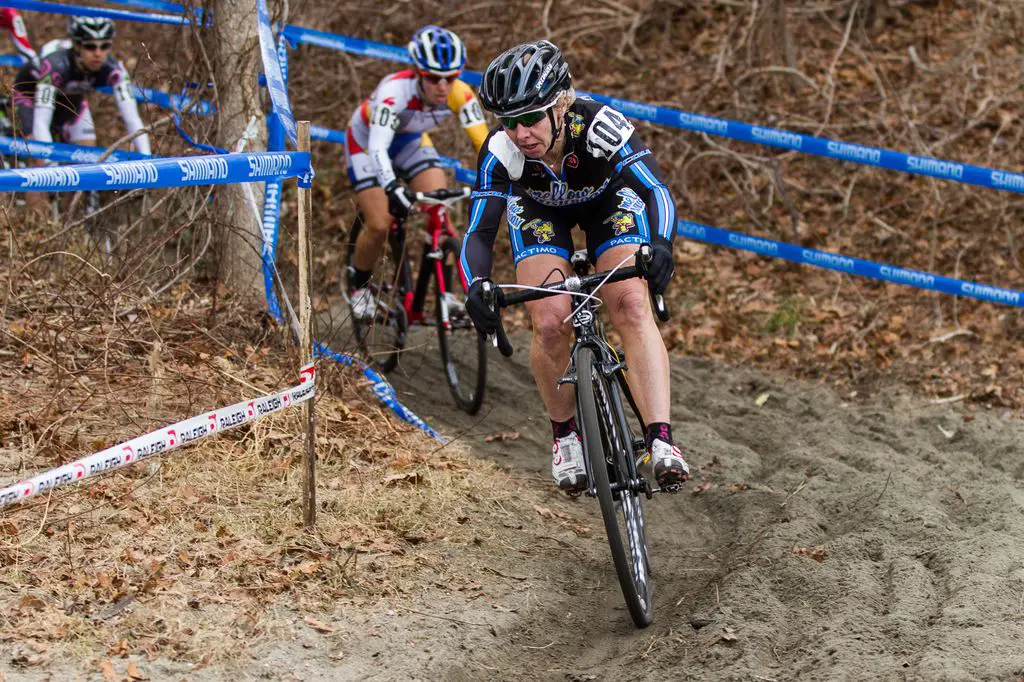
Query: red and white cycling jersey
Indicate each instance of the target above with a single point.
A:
(12, 21)
(396, 107)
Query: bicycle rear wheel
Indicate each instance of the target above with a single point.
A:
(609, 452)
(380, 338)
(463, 350)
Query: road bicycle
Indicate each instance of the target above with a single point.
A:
(614, 450)
(402, 301)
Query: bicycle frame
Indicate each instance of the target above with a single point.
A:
(439, 227)
(588, 331)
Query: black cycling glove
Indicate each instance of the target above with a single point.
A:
(485, 317)
(399, 200)
(662, 265)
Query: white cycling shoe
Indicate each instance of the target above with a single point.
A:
(362, 302)
(567, 467)
(456, 308)
(670, 469)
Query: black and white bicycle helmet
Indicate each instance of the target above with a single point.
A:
(527, 77)
(90, 28)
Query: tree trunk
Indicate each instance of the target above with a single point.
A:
(233, 46)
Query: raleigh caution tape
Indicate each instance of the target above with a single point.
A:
(163, 440)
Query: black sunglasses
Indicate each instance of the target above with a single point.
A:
(529, 119)
(93, 47)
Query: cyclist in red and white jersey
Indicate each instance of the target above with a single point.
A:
(11, 20)
(387, 141)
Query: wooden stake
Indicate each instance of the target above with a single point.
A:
(306, 333)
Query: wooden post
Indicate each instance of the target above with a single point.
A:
(306, 333)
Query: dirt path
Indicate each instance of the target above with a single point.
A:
(918, 512)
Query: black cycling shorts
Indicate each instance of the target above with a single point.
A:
(616, 217)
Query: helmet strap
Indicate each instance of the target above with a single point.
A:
(556, 132)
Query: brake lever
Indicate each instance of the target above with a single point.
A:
(643, 259)
(501, 341)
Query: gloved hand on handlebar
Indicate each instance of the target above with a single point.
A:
(399, 199)
(485, 317)
(662, 265)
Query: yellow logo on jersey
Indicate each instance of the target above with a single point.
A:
(543, 230)
(576, 125)
(621, 222)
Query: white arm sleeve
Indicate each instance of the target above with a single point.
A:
(42, 112)
(385, 107)
(129, 109)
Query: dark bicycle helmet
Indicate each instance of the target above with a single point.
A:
(90, 28)
(437, 50)
(525, 78)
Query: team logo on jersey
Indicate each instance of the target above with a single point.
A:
(572, 161)
(514, 213)
(561, 195)
(621, 222)
(575, 125)
(631, 201)
(543, 230)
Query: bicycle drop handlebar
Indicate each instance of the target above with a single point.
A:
(575, 284)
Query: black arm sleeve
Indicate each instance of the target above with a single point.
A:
(641, 173)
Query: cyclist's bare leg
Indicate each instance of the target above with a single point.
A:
(373, 204)
(549, 352)
(429, 180)
(630, 310)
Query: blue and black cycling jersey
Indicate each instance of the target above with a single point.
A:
(609, 185)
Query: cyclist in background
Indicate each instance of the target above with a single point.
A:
(50, 98)
(387, 141)
(12, 21)
(557, 161)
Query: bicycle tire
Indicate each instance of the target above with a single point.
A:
(455, 340)
(606, 451)
(381, 338)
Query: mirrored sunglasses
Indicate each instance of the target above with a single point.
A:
(529, 119)
(93, 47)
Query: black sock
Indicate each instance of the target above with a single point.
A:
(357, 279)
(659, 430)
(563, 429)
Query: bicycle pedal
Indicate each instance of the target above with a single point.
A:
(672, 488)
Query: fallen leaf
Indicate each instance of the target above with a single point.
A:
(816, 553)
(698, 489)
(31, 603)
(728, 634)
(308, 567)
(502, 435)
(133, 672)
(545, 512)
(762, 399)
(107, 668)
(411, 478)
(317, 625)
(738, 487)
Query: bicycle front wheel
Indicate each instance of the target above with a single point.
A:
(607, 449)
(463, 350)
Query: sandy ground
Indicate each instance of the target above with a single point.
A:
(829, 539)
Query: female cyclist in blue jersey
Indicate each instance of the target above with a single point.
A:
(387, 141)
(555, 162)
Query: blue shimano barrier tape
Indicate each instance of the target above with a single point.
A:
(675, 118)
(369, 48)
(116, 14)
(272, 70)
(824, 259)
(381, 388)
(850, 265)
(158, 5)
(163, 172)
(64, 153)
